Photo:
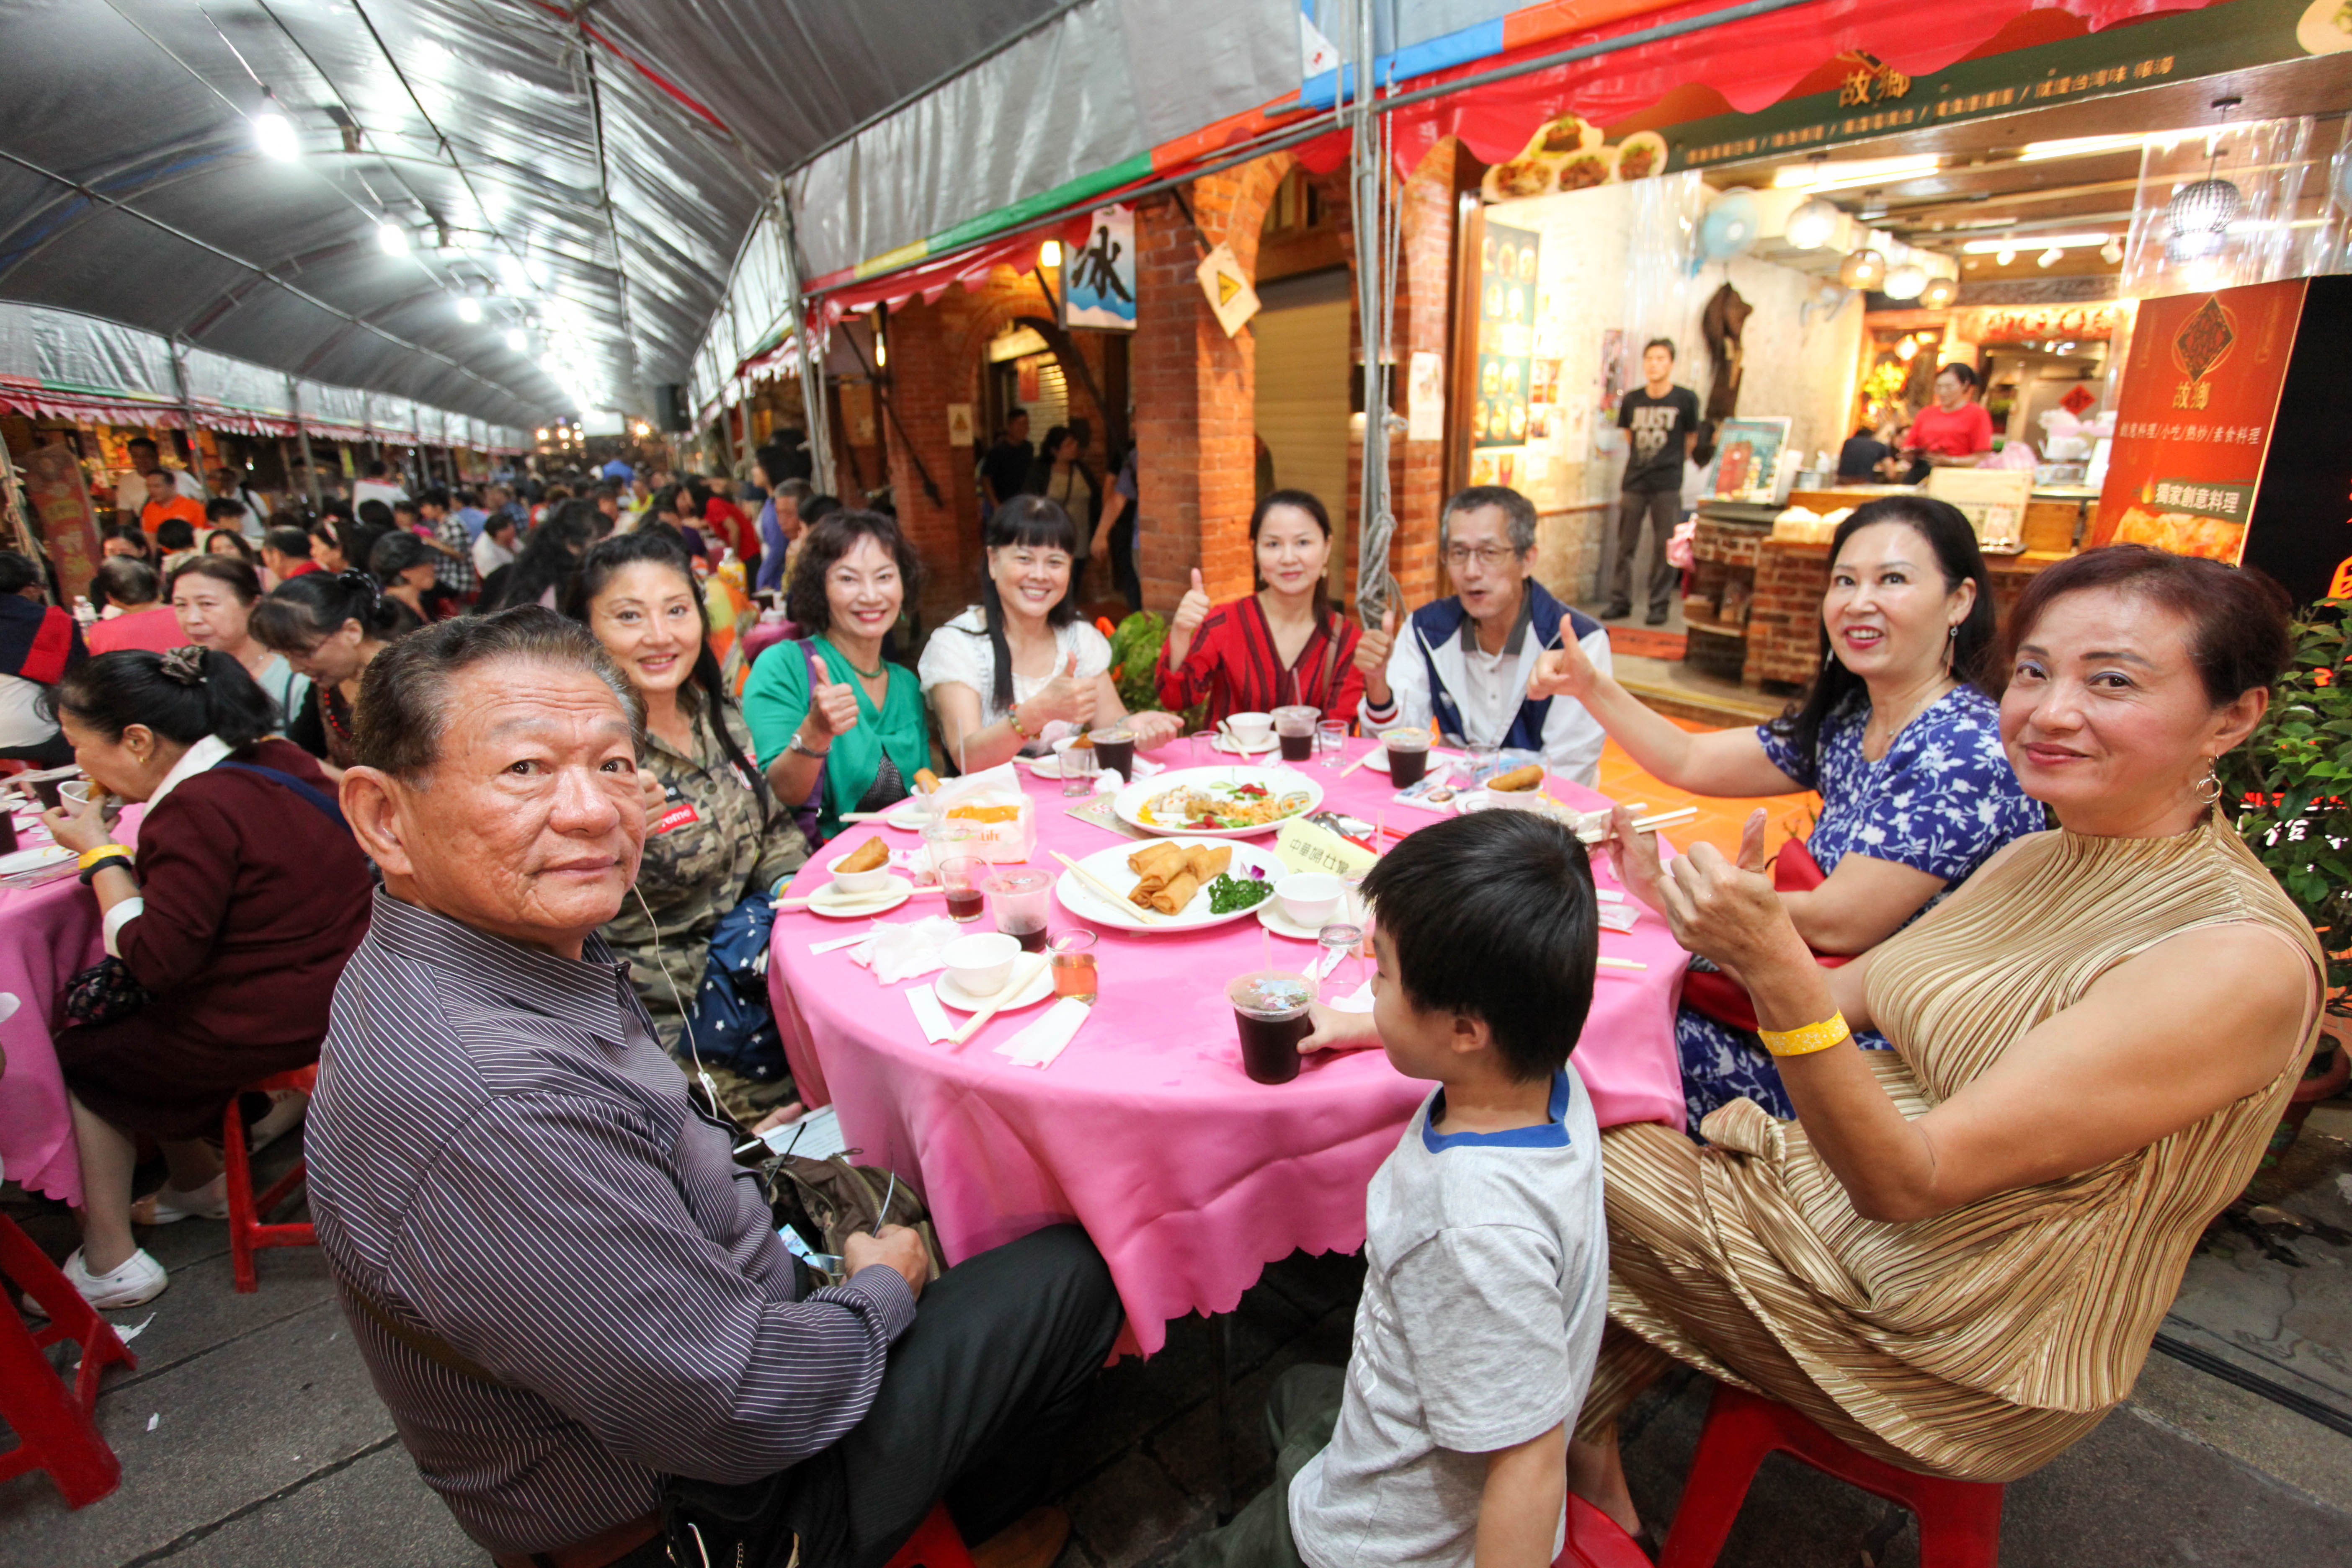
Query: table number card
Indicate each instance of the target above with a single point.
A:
(1304, 845)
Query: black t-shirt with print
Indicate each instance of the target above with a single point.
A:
(1653, 459)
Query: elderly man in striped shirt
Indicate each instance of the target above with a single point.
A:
(571, 1298)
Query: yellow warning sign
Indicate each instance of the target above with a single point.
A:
(1229, 293)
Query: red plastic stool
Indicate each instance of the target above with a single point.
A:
(247, 1234)
(1959, 1522)
(1595, 1541)
(934, 1544)
(54, 1429)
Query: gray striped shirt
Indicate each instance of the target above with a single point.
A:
(502, 1157)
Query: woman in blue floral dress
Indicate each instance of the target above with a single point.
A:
(1903, 748)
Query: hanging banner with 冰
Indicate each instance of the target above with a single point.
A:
(1098, 282)
(1231, 297)
(2200, 391)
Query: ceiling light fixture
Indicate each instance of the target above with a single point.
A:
(1906, 281)
(2012, 243)
(1855, 173)
(2112, 252)
(2202, 212)
(1050, 253)
(1863, 269)
(515, 340)
(2003, 257)
(275, 134)
(393, 238)
(1906, 351)
(468, 308)
(2050, 257)
(1813, 225)
(1939, 293)
(2079, 147)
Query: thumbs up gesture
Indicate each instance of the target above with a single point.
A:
(1068, 696)
(832, 708)
(1191, 611)
(1722, 909)
(1373, 657)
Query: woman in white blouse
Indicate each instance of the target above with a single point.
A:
(1022, 659)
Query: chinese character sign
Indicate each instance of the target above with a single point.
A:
(1099, 280)
(2200, 398)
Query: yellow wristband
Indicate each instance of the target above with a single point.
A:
(1806, 1040)
(91, 857)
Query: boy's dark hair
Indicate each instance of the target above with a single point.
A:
(1492, 916)
(175, 533)
(1665, 344)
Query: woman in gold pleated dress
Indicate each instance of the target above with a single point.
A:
(1956, 1255)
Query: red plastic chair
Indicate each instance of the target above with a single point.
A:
(246, 1233)
(1595, 1541)
(1959, 1522)
(53, 1425)
(934, 1544)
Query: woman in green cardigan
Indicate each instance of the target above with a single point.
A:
(861, 721)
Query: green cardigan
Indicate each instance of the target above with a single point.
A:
(777, 699)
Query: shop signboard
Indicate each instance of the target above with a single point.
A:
(1507, 312)
(1872, 100)
(53, 484)
(2301, 528)
(1098, 284)
(2194, 418)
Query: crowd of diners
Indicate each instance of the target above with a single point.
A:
(1967, 1068)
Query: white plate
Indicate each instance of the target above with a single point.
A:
(955, 995)
(1378, 759)
(1110, 867)
(1048, 766)
(1271, 915)
(1232, 747)
(33, 859)
(902, 816)
(1129, 804)
(837, 907)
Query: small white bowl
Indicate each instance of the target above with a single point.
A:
(859, 884)
(1252, 730)
(981, 964)
(1309, 898)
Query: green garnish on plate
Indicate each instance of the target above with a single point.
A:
(1226, 894)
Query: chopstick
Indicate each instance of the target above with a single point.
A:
(1656, 820)
(1360, 761)
(1103, 890)
(1607, 963)
(1015, 983)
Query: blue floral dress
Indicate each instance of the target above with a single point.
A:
(1942, 800)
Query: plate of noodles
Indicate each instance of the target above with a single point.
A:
(1217, 803)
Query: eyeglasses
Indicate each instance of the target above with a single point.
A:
(1488, 556)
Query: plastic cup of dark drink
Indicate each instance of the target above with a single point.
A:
(1115, 751)
(1270, 1013)
(7, 829)
(1020, 899)
(1294, 725)
(961, 876)
(1408, 756)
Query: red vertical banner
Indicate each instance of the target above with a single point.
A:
(2196, 418)
(53, 484)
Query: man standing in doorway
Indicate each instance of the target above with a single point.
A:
(1005, 471)
(1661, 420)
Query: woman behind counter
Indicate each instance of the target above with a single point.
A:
(1957, 1257)
(1953, 431)
(1022, 658)
(1907, 753)
(245, 898)
(832, 708)
(1283, 643)
(714, 835)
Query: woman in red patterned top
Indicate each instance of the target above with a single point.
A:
(1283, 643)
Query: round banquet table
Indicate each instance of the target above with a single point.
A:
(48, 932)
(1189, 1176)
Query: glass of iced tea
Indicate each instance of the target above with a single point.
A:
(1408, 756)
(1294, 726)
(963, 877)
(1019, 899)
(1115, 751)
(1075, 969)
(1270, 1011)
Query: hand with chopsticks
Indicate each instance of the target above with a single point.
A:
(1723, 909)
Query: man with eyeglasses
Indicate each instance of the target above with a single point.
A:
(1464, 661)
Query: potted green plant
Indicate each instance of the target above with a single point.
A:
(2292, 784)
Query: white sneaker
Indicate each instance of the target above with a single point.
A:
(139, 1277)
(168, 1205)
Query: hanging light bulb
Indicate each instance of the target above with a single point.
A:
(1813, 225)
(1906, 281)
(881, 352)
(274, 134)
(2050, 257)
(515, 340)
(1863, 269)
(1050, 253)
(542, 434)
(1906, 351)
(468, 308)
(393, 238)
(2004, 256)
(2112, 252)
(1939, 293)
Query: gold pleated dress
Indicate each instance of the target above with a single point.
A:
(1982, 1342)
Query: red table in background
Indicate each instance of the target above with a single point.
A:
(1189, 1176)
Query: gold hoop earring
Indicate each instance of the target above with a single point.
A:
(2208, 790)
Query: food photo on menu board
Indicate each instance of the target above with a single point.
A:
(1507, 291)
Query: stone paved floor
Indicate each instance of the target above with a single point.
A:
(250, 1438)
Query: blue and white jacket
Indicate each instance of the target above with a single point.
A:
(1429, 666)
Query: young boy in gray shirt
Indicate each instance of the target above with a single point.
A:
(1486, 1254)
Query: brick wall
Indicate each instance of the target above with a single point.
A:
(1784, 619)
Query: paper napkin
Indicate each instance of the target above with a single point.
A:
(1360, 1000)
(1039, 1043)
(929, 1017)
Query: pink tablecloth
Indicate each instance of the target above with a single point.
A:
(46, 932)
(1189, 1176)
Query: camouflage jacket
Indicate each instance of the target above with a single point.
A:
(705, 850)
